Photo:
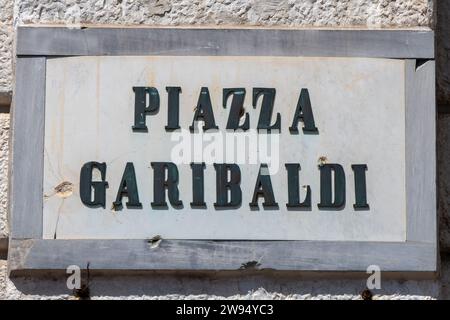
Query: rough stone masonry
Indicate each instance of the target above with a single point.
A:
(372, 14)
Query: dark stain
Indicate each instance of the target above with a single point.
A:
(366, 294)
(84, 293)
(251, 265)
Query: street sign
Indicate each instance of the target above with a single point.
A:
(223, 148)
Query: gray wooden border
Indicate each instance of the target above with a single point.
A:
(220, 255)
(420, 151)
(53, 41)
(29, 252)
(27, 145)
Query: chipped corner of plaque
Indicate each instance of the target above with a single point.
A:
(62, 190)
(322, 161)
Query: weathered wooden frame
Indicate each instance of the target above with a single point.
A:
(29, 252)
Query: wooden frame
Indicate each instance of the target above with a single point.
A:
(29, 252)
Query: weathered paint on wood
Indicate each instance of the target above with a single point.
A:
(420, 151)
(220, 255)
(27, 158)
(51, 41)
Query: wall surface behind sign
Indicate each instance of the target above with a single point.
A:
(370, 14)
(6, 36)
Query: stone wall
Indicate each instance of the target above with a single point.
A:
(275, 13)
(6, 36)
(6, 53)
(4, 130)
(318, 13)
